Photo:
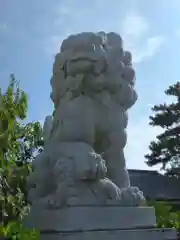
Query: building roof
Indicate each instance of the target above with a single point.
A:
(154, 185)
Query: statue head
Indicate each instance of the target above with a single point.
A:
(90, 55)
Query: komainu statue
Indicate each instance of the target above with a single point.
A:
(83, 160)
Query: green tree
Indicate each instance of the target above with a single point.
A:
(165, 150)
(16, 230)
(165, 216)
(18, 144)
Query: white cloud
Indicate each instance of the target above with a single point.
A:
(151, 47)
(54, 44)
(140, 134)
(135, 30)
(133, 27)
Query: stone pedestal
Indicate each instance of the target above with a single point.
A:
(106, 222)
(133, 234)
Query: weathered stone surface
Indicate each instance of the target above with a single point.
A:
(47, 128)
(92, 87)
(132, 234)
(91, 218)
(77, 177)
(83, 160)
(80, 181)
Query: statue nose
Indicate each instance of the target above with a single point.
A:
(85, 66)
(74, 67)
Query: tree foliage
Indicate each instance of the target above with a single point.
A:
(18, 143)
(16, 231)
(166, 148)
(165, 216)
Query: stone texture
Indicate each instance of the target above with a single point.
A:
(93, 72)
(83, 160)
(132, 234)
(93, 218)
(80, 181)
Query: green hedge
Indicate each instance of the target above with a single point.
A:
(16, 231)
(165, 216)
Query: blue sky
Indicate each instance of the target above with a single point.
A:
(31, 33)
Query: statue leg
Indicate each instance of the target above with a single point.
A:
(115, 162)
(111, 123)
(115, 159)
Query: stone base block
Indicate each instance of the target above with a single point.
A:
(143, 234)
(89, 218)
(97, 223)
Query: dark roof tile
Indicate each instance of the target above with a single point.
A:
(155, 185)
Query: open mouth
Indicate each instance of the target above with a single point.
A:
(85, 65)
